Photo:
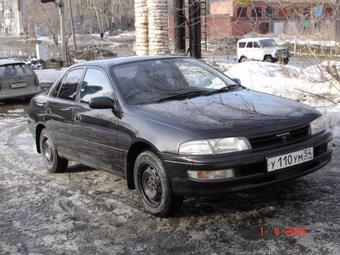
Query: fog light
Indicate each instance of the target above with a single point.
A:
(211, 175)
(329, 145)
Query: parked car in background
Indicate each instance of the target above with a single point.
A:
(175, 127)
(261, 49)
(17, 79)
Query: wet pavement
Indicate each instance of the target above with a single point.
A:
(87, 211)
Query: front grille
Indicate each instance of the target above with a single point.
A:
(277, 139)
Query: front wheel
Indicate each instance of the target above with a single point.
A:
(285, 61)
(268, 59)
(153, 186)
(53, 162)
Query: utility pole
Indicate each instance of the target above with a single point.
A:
(195, 28)
(179, 26)
(61, 6)
(72, 25)
(337, 22)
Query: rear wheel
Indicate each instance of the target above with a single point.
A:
(51, 158)
(154, 187)
(242, 59)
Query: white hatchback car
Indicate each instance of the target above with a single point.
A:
(262, 49)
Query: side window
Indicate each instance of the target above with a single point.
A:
(69, 85)
(250, 45)
(256, 45)
(242, 45)
(56, 89)
(95, 84)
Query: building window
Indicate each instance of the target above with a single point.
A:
(241, 12)
(306, 13)
(256, 12)
(264, 28)
(270, 11)
(329, 11)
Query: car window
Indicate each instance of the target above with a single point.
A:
(56, 90)
(198, 77)
(256, 45)
(268, 43)
(15, 70)
(69, 85)
(145, 82)
(95, 84)
(250, 45)
(242, 45)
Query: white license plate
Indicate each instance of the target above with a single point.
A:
(18, 85)
(290, 159)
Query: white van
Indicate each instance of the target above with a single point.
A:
(261, 49)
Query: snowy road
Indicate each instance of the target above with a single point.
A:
(87, 211)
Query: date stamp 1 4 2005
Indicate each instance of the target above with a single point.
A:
(286, 232)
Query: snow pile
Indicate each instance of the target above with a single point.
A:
(316, 85)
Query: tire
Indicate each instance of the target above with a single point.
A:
(153, 186)
(28, 98)
(242, 59)
(53, 162)
(268, 59)
(285, 61)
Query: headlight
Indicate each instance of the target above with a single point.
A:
(318, 125)
(214, 146)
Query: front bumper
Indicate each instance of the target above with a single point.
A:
(251, 168)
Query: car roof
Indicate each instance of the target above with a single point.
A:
(108, 63)
(5, 62)
(255, 39)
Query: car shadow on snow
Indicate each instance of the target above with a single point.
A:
(252, 204)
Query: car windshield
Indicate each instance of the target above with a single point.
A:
(268, 43)
(152, 81)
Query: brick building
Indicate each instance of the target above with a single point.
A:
(234, 18)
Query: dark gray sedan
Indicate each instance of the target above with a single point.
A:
(174, 127)
(17, 80)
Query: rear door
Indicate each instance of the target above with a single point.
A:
(95, 129)
(17, 78)
(59, 113)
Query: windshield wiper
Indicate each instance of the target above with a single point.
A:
(183, 95)
(221, 90)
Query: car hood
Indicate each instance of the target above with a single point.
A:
(242, 112)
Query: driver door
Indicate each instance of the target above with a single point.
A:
(95, 129)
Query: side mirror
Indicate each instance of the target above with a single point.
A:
(102, 103)
(237, 81)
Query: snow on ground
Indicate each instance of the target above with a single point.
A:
(316, 85)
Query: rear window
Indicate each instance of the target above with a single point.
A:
(242, 45)
(15, 70)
